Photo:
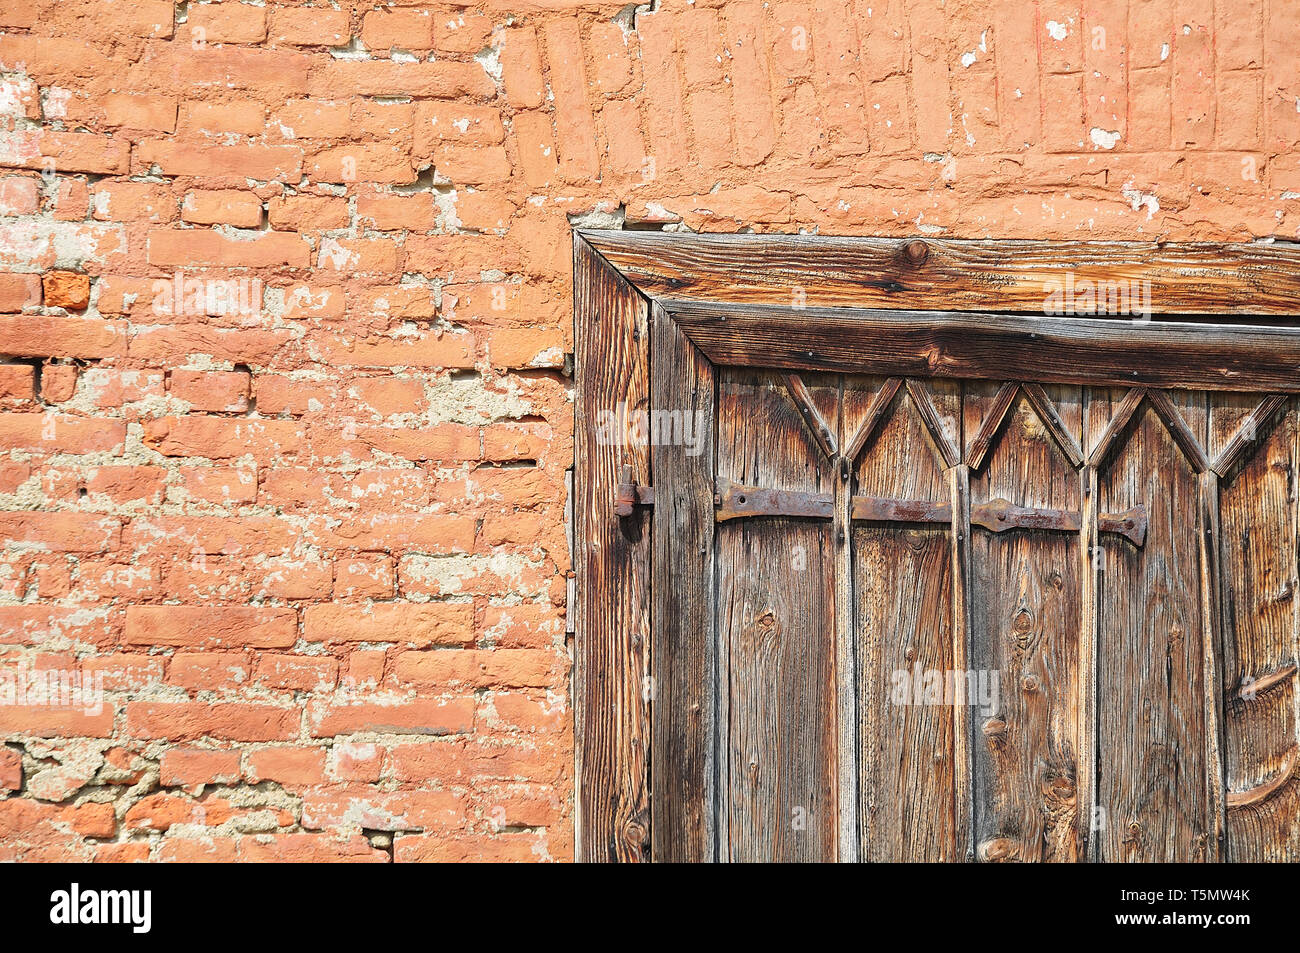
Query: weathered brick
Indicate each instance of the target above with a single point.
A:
(211, 626)
(420, 624)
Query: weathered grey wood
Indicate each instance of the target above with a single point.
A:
(777, 618)
(969, 275)
(1178, 428)
(872, 417)
(1026, 602)
(947, 444)
(1244, 438)
(847, 744)
(904, 591)
(1211, 652)
(963, 769)
(1152, 748)
(612, 564)
(1185, 729)
(684, 657)
(1090, 560)
(821, 430)
(1051, 418)
(1111, 432)
(995, 413)
(1258, 515)
(984, 346)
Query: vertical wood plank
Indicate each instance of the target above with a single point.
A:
(962, 768)
(1152, 746)
(846, 674)
(684, 655)
(612, 565)
(776, 617)
(1090, 559)
(1025, 611)
(904, 591)
(1211, 648)
(1261, 728)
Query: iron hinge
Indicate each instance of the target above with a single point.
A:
(628, 496)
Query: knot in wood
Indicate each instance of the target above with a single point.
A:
(916, 251)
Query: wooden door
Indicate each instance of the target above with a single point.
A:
(898, 604)
(945, 619)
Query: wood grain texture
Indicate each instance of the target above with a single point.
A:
(1151, 733)
(983, 346)
(1151, 678)
(1258, 513)
(904, 590)
(612, 565)
(952, 274)
(777, 620)
(1026, 598)
(995, 413)
(684, 654)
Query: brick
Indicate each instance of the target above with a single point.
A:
(205, 160)
(183, 767)
(471, 848)
(521, 68)
(206, 671)
(305, 848)
(244, 118)
(190, 721)
(495, 668)
(393, 212)
(220, 485)
(11, 769)
(356, 761)
(309, 212)
(211, 626)
(18, 195)
(241, 209)
(226, 22)
(368, 575)
(382, 810)
(423, 717)
(53, 721)
(440, 80)
(386, 28)
(66, 289)
(48, 336)
(209, 535)
(132, 201)
(192, 246)
(17, 382)
(418, 624)
(221, 438)
(221, 391)
(295, 767)
(126, 483)
(306, 673)
(65, 152)
(314, 26)
(60, 532)
(152, 113)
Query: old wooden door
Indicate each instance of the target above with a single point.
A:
(889, 570)
(965, 605)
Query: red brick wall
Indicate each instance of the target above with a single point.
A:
(285, 309)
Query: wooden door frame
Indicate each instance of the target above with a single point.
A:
(969, 308)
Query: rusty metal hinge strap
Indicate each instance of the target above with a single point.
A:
(628, 495)
(734, 501)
